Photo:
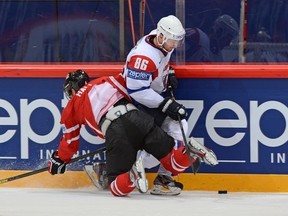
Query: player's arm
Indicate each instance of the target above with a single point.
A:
(68, 146)
(69, 143)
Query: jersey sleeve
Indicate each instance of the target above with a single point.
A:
(69, 143)
(139, 75)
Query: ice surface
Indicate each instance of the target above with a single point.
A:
(89, 201)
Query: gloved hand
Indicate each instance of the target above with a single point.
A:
(173, 109)
(56, 165)
(172, 80)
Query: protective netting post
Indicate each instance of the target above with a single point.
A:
(180, 14)
(243, 31)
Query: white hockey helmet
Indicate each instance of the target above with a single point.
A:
(171, 28)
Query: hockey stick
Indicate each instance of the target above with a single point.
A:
(197, 163)
(2, 181)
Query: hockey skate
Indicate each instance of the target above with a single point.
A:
(138, 176)
(198, 150)
(98, 175)
(165, 185)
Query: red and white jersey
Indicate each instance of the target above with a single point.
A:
(146, 72)
(87, 107)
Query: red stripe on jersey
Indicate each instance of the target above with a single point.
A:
(166, 67)
(142, 63)
(119, 83)
(155, 75)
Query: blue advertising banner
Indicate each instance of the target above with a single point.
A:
(30, 111)
(243, 120)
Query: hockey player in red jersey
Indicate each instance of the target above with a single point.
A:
(104, 105)
(148, 77)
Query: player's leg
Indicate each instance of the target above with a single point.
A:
(164, 183)
(124, 170)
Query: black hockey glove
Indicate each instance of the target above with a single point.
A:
(56, 165)
(173, 109)
(172, 80)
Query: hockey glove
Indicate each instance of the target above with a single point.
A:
(56, 165)
(172, 80)
(173, 109)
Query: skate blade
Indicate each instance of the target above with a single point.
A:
(92, 176)
(172, 191)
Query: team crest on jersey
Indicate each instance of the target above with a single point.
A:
(139, 75)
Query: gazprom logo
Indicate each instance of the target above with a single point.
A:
(139, 75)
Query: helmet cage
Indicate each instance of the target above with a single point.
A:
(225, 27)
(224, 30)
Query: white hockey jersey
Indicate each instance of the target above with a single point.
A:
(146, 72)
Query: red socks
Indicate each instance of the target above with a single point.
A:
(176, 161)
(122, 185)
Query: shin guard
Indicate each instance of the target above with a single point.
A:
(177, 161)
(122, 185)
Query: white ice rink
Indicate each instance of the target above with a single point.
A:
(89, 201)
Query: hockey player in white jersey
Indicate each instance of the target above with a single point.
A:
(148, 75)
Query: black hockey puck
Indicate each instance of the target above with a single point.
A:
(222, 192)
